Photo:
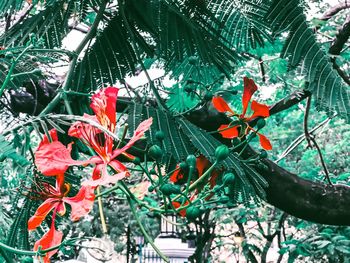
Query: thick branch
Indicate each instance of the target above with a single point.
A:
(334, 10)
(337, 46)
(312, 201)
(341, 38)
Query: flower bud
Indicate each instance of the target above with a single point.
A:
(155, 152)
(191, 160)
(189, 88)
(183, 166)
(208, 96)
(160, 135)
(168, 189)
(221, 152)
(263, 154)
(192, 213)
(136, 161)
(151, 188)
(228, 179)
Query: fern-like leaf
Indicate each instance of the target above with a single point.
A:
(301, 47)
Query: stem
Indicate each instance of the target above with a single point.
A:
(34, 253)
(73, 63)
(144, 232)
(310, 139)
(100, 208)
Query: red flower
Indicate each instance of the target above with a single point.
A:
(259, 110)
(56, 198)
(54, 158)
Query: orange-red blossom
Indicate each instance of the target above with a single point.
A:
(259, 110)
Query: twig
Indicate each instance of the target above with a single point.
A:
(310, 139)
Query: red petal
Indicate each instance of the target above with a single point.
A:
(54, 158)
(92, 136)
(249, 89)
(229, 133)
(177, 175)
(182, 212)
(117, 166)
(50, 239)
(141, 189)
(221, 105)
(43, 210)
(264, 142)
(53, 135)
(259, 110)
(81, 203)
(104, 104)
(201, 164)
(138, 134)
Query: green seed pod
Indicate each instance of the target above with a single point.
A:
(168, 189)
(228, 179)
(192, 213)
(192, 60)
(152, 171)
(151, 188)
(261, 123)
(183, 166)
(191, 160)
(136, 161)
(155, 152)
(221, 152)
(160, 135)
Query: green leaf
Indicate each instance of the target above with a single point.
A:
(7, 151)
(179, 100)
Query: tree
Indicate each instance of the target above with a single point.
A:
(200, 44)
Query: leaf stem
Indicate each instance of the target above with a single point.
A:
(144, 232)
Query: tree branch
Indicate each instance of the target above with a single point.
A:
(337, 46)
(334, 10)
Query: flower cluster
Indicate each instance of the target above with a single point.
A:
(53, 158)
(241, 127)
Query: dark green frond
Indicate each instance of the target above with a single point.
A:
(301, 47)
(242, 22)
(110, 58)
(50, 24)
